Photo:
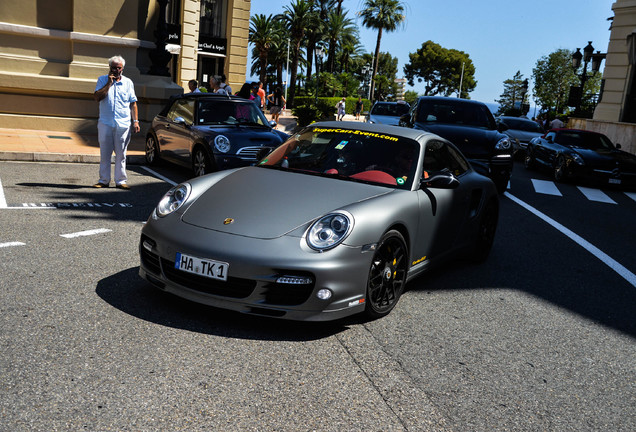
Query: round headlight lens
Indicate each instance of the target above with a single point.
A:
(578, 159)
(173, 199)
(222, 143)
(329, 231)
(503, 144)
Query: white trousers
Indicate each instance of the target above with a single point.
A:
(112, 139)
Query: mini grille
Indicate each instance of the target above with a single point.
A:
(250, 153)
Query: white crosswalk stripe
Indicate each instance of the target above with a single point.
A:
(545, 187)
(596, 195)
(632, 195)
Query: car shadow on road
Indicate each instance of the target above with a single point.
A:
(128, 292)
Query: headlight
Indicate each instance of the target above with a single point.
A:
(503, 144)
(222, 143)
(173, 199)
(578, 159)
(329, 231)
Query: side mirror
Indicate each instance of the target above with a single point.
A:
(440, 180)
(272, 124)
(405, 120)
(618, 146)
(180, 121)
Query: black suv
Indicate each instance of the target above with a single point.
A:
(472, 128)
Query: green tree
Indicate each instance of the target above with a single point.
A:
(263, 35)
(553, 76)
(410, 96)
(381, 15)
(515, 92)
(441, 70)
(296, 18)
(337, 28)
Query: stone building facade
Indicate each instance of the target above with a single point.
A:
(51, 53)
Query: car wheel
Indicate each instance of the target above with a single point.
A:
(387, 275)
(560, 170)
(201, 162)
(486, 232)
(152, 150)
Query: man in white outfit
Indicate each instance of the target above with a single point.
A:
(117, 101)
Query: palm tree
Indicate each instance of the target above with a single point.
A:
(296, 18)
(381, 15)
(263, 36)
(338, 27)
(320, 10)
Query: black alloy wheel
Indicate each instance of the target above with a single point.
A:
(152, 150)
(387, 275)
(486, 232)
(201, 163)
(560, 169)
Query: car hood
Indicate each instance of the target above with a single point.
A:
(384, 119)
(523, 136)
(255, 135)
(607, 158)
(473, 142)
(266, 203)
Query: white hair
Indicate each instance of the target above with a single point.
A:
(117, 59)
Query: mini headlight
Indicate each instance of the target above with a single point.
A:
(222, 143)
(503, 144)
(578, 159)
(329, 231)
(173, 199)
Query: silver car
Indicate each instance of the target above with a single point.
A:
(388, 113)
(334, 222)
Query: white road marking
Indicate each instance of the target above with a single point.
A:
(606, 259)
(85, 233)
(3, 201)
(545, 187)
(595, 195)
(11, 244)
(632, 195)
(156, 174)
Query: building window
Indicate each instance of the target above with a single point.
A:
(211, 22)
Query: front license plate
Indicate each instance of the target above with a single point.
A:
(614, 181)
(202, 267)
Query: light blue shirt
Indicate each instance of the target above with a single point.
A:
(114, 109)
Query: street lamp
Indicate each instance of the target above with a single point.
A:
(366, 70)
(524, 91)
(576, 93)
(319, 53)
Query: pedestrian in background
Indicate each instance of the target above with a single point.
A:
(359, 106)
(261, 94)
(117, 102)
(341, 109)
(193, 85)
(278, 102)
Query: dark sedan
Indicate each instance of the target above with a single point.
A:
(472, 128)
(208, 132)
(521, 130)
(574, 154)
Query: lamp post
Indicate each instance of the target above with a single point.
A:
(287, 69)
(524, 92)
(576, 93)
(319, 52)
(367, 75)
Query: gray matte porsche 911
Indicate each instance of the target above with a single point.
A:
(332, 223)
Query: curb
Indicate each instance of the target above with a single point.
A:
(64, 157)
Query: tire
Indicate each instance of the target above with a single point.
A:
(152, 150)
(387, 275)
(560, 170)
(485, 232)
(201, 162)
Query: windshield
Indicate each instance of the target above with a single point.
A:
(348, 154)
(522, 125)
(390, 109)
(455, 112)
(585, 140)
(215, 112)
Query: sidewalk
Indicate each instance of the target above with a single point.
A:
(45, 146)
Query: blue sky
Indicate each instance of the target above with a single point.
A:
(500, 36)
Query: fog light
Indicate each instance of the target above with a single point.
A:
(324, 294)
(294, 280)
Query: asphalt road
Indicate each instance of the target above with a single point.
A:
(539, 338)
